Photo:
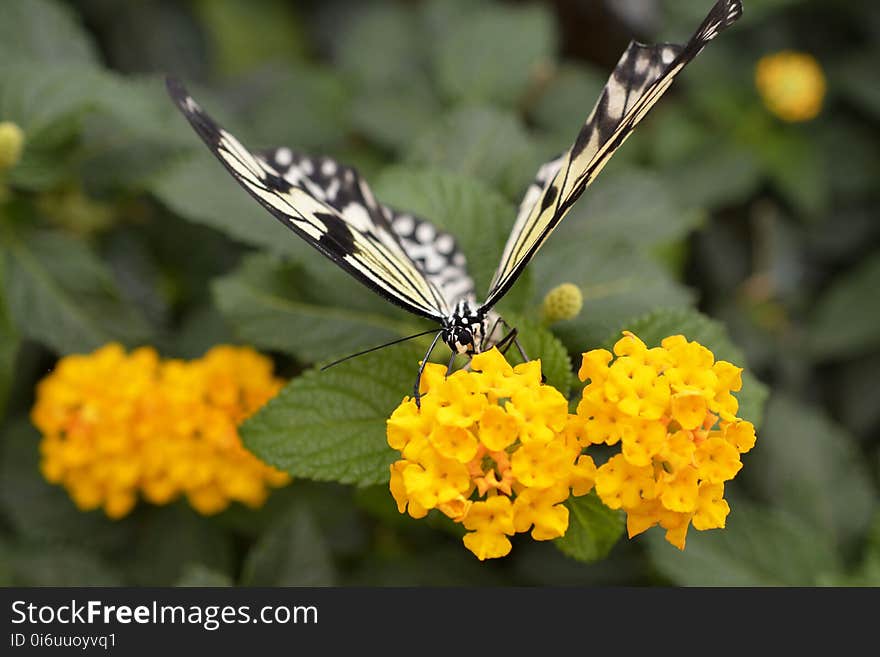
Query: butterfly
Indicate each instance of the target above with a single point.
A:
(406, 259)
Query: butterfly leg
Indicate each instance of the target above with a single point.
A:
(509, 339)
(416, 394)
(490, 333)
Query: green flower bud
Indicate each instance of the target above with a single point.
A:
(562, 302)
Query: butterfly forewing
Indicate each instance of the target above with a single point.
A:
(435, 252)
(357, 237)
(641, 76)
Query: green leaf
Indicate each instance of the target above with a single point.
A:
(382, 47)
(617, 283)
(199, 576)
(565, 103)
(59, 293)
(712, 335)
(198, 189)
(40, 511)
(810, 466)
(490, 54)
(843, 323)
(43, 30)
(593, 528)
(245, 37)
(759, 547)
(479, 217)
(330, 425)
(155, 560)
(630, 206)
(281, 307)
(539, 343)
(9, 344)
(482, 142)
(59, 565)
(394, 120)
(291, 553)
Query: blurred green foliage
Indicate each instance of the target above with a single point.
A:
(756, 237)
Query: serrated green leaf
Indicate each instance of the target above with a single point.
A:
(711, 334)
(842, 322)
(479, 217)
(490, 54)
(810, 466)
(593, 528)
(291, 553)
(59, 293)
(482, 142)
(43, 30)
(281, 307)
(759, 547)
(330, 425)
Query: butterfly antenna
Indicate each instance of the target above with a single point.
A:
(381, 346)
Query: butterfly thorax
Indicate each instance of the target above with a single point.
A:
(465, 328)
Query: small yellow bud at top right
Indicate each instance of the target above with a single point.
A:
(791, 84)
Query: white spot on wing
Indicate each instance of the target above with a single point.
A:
(328, 168)
(284, 156)
(404, 224)
(357, 216)
(425, 233)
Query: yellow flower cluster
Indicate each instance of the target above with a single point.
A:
(672, 411)
(791, 84)
(491, 449)
(117, 425)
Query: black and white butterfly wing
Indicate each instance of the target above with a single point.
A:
(434, 251)
(642, 75)
(348, 230)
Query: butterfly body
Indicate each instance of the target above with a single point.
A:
(406, 259)
(465, 330)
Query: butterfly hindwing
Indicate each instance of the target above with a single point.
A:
(359, 240)
(642, 75)
(434, 251)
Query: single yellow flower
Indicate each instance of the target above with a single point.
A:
(11, 144)
(791, 84)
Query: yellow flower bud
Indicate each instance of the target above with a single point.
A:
(791, 84)
(562, 302)
(11, 144)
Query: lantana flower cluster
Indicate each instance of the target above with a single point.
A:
(672, 411)
(117, 426)
(490, 449)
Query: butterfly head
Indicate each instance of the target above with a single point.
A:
(465, 328)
